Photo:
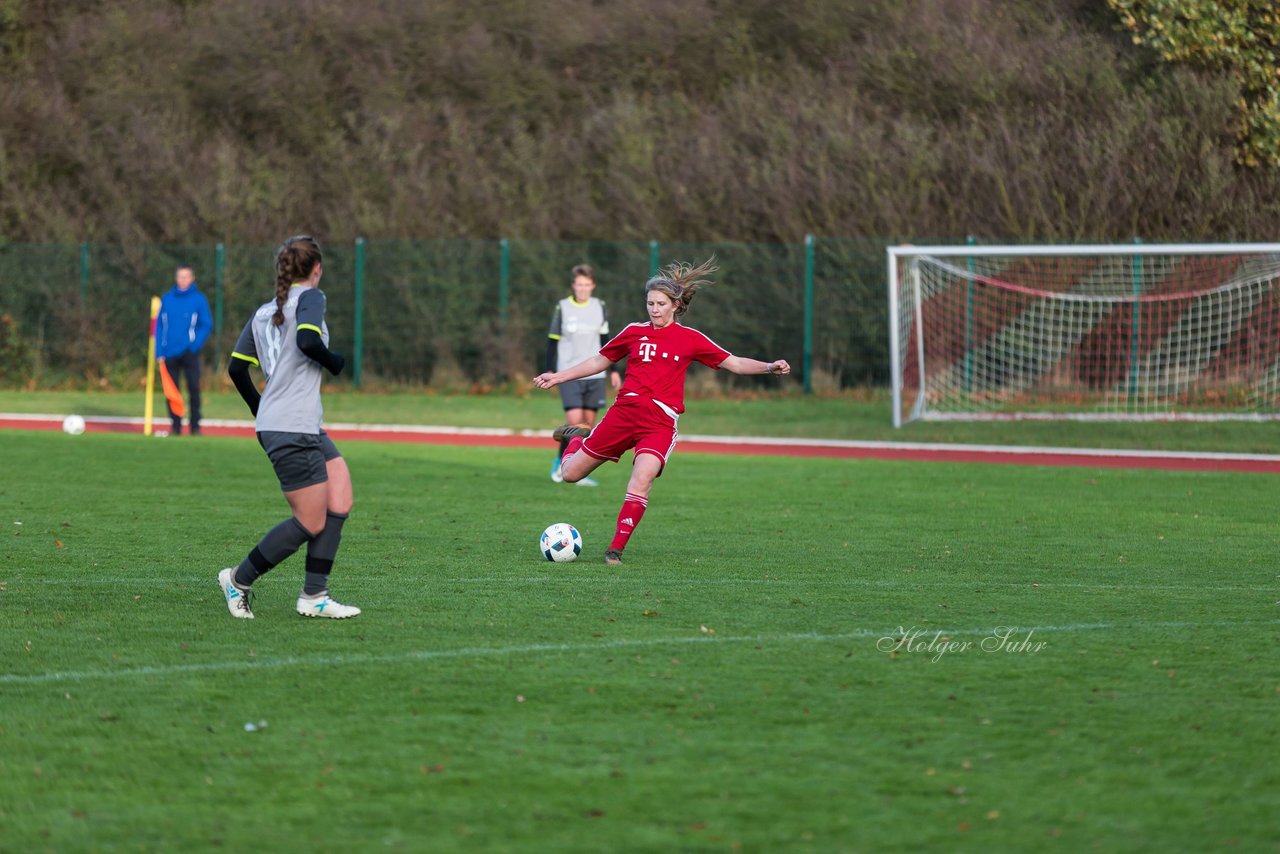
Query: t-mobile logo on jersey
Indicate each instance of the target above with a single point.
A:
(647, 349)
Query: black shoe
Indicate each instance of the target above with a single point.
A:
(612, 557)
(565, 432)
(195, 429)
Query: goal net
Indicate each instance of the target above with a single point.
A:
(1136, 332)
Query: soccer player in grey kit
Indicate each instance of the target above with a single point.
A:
(288, 339)
(579, 328)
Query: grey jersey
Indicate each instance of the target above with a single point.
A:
(577, 328)
(291, 399)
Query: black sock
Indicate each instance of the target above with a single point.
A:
(276, 545)
(317, 578)
(564, 446)
(250, 569)
(321, 552)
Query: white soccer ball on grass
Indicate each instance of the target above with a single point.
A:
(561, 543)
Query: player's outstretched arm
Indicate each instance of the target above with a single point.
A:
(594, 365)
(739, 365)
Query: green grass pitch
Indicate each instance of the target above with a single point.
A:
(742, 683)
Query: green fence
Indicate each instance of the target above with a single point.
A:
(447, 312)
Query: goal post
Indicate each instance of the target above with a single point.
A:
(1104, 332)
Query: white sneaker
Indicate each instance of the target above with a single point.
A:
(556, 476)
(325, 606)
(586, 481)
(237, 600)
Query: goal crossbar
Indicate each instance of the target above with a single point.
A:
(953, 250)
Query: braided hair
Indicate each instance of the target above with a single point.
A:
(296, 258)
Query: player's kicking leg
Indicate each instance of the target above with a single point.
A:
(575, 465)
(586, 418)
(573, 416)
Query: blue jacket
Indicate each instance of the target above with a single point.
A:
(184, 323)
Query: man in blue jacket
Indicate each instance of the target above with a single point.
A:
(182, 328)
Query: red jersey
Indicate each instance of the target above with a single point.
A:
(658, 358)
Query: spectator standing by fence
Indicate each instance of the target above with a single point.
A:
(182, 328)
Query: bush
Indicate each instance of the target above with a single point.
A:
(16, 367)
(759, 121)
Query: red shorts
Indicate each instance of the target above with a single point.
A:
(633, 422)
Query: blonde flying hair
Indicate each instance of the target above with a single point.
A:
(295, 259)
(681, 281)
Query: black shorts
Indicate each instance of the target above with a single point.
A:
(299, 458)
(583, 394)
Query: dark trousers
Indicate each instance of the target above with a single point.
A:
(188, 365)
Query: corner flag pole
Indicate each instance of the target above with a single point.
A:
(151, 368)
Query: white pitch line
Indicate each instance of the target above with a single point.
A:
(799, 583)
(763, 441)
(526, 649)
(241, 424)
(867, 445)
(412, 655)
(439, 581)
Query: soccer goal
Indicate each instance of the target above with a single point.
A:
(1131, 332)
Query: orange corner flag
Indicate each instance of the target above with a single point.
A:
(171, 392)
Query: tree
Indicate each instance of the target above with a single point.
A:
(1239, 37)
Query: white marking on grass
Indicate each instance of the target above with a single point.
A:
(241, 424)
(763, 441)
(897, 581)
(914, 580)
(535, 648)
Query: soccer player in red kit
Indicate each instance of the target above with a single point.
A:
(645, 415)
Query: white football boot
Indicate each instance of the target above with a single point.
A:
(324, 605)
(237, 600)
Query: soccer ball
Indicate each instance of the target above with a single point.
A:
(561, 543)
(73, 425)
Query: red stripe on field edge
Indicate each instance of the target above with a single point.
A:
(1118, 460)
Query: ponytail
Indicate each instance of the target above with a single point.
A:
(282, 294)
(296, 258)
(681, 281)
